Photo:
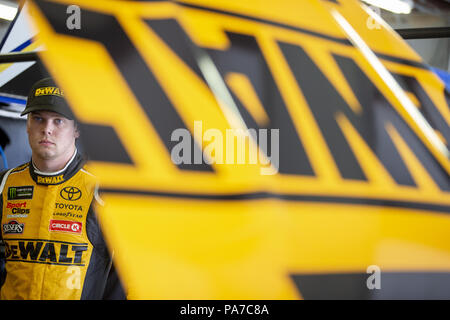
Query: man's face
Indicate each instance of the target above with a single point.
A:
(51, 135)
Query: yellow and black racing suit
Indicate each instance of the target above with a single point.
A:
(54, 248)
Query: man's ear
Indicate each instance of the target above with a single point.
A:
(76, 131)
(28, 124)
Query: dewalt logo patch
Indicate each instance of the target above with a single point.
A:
(45, 251)
(49, 91)
(50, 180)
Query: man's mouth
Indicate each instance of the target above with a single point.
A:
(46, 143)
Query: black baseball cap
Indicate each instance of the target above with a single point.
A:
(47, 95)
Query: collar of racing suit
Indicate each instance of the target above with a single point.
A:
(72, 167)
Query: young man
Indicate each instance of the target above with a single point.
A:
(53, 241)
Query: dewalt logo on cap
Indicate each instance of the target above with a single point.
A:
(48, 91)
(47, 95)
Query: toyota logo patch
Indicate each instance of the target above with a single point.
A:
(70, 193)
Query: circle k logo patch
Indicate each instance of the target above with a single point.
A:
(65, 226)
(70, 193)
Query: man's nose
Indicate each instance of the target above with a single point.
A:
(47, 127)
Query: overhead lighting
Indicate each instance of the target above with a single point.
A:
(395, 6)
(7, 12)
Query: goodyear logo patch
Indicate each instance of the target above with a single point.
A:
(50, 180)
(45, 251)
(20, 193)
(48, 91)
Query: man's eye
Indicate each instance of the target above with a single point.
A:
(58, 121)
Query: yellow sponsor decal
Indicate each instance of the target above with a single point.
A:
(46, 251)
(50, 180)
(48, 91)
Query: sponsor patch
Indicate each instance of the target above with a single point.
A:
(17, 215)
(67, 215)
(47, 251)
(18, 210)
(70, 193)
(65, 226)
(48, 91)
(11, 205)
(20, 193)
(50, 180)
(66, 206)
(13, 227)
